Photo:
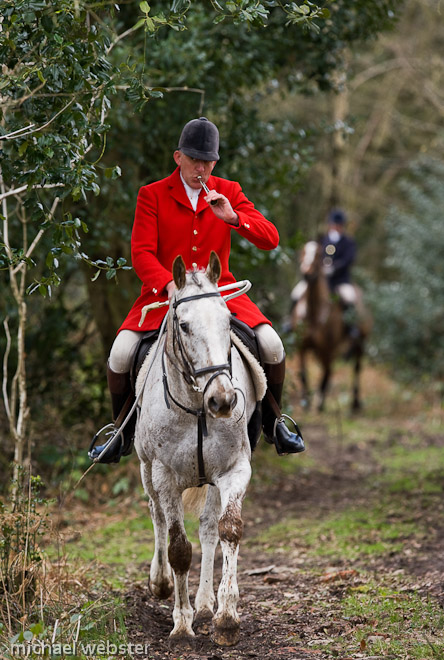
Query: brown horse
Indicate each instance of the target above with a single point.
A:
(320, 326)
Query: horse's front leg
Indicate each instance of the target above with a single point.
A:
(179, 551)
(209, 538)
(179, 554)
(161, 577)
(232, 488)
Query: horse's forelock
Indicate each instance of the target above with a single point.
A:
(195, 279)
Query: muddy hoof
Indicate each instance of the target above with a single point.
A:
(182, 642)
(161, 591)
(204, 615)
(226, 632)
(202, 622)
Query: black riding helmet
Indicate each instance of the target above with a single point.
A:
(200, 139)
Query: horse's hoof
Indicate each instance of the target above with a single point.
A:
(182, 640)
(226, 632)
(203, 615)
(202, 621)
(161, 591)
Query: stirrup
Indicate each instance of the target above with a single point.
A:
(285, 441)
(282, 419)
(99, 454)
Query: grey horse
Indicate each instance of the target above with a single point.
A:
(192, 431)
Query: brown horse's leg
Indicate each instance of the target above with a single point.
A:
(305, 397)
(323, 388)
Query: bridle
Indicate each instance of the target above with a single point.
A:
(190, 375)
(189, 372)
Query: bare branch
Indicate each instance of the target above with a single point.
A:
(121, 36)
(37, 238)
(17, 191)
(5, 368)
(40, 128)
(378, 70)
(16, 133)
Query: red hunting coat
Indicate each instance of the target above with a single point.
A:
(166, 225)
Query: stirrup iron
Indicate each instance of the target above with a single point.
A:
(282, 419)
(113, 433)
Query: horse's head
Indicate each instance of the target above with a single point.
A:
(200, 327)
(311, 260)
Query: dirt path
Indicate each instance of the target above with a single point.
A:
(282, 588)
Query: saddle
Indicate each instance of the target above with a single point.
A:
(247, 336)
(142, 349)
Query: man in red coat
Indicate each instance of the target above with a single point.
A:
(175, 216)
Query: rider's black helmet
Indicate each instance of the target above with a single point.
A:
(200, 139)
(337, 217)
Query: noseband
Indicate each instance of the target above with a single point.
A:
(190, 374)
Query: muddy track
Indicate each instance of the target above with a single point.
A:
(281, 589)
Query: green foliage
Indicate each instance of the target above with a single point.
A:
(56, 89)
(409, 323)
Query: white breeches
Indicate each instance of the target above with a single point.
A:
(271, 344)
(346, 292)
(125, 344)
(122, 351)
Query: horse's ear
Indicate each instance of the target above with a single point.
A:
(179, 272)
(214, 269)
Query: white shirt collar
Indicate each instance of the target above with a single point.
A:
(334, 235)
(192, 193)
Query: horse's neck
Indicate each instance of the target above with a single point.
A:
(318, 300)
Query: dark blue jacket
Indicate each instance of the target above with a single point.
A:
(343, 254)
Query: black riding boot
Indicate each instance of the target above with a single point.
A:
(275, 430)
(122, 398)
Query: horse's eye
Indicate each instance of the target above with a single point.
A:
(184, 326)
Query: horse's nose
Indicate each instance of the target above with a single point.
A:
(221, 404)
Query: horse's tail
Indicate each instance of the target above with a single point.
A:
(194, 499)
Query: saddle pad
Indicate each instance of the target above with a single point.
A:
(257, 373)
